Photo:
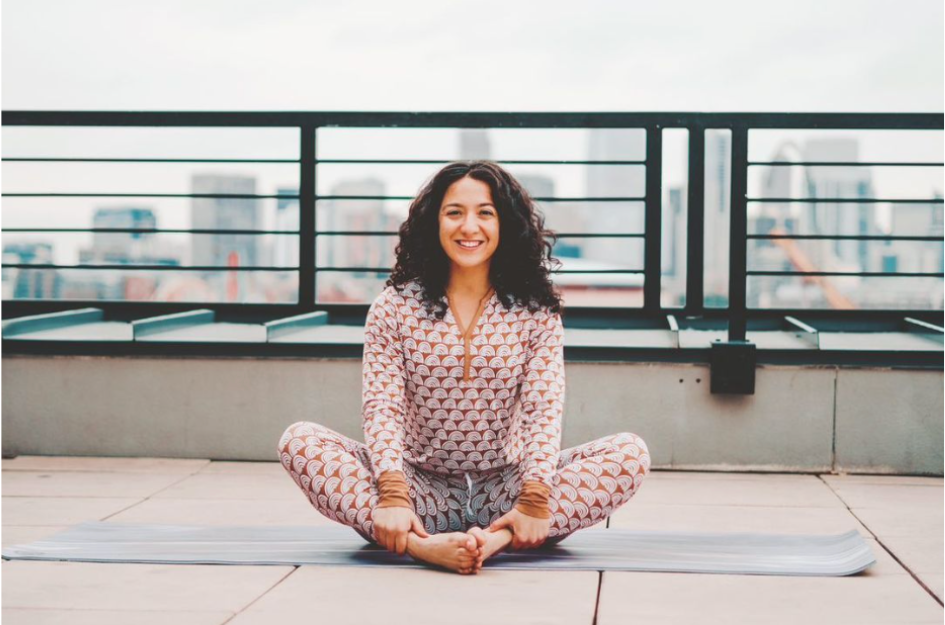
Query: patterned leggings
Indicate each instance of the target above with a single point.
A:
(592, 481)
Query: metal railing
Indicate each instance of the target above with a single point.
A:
(736, 313)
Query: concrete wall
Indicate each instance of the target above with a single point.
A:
(800, 418)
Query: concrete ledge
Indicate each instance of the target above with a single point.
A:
(878, 421)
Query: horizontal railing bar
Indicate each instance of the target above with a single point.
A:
(212, 268)
(281, 196)
(844, 164)
(154, 230)
(246, 196)
(388, 270)
(217, 268)
(391, 161)
(891, 121)
(867, 274)
(560, 235)
(842, 200)
(845, 237)
(20, 159)
(540, 199)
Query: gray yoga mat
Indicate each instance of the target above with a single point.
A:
(336, 545)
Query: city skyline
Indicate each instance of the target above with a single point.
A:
(599, 181)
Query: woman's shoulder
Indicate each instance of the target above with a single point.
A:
(400, 297)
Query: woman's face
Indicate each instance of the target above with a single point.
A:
(467, 214)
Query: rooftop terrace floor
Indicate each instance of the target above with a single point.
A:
(901, 518)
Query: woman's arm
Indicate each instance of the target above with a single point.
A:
(542, 394)
(383, 398)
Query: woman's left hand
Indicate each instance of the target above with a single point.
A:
(528, 532)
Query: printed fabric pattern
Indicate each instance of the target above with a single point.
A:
(417, 408)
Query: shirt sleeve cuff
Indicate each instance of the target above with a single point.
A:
(533, 500)
(393, 490)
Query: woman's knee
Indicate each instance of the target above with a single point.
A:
(293, 439)
(636, 454)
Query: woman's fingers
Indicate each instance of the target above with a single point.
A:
(401, 543)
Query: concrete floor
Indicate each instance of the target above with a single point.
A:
(900, 517)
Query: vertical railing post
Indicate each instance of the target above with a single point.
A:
(307, 218)
(738, 242)
(652, 255)
(695, 220)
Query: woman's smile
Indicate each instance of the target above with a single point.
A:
(469, 225)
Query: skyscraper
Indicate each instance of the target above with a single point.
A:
(222, 213)
(717, 210)
(612, 144)
(121, 247)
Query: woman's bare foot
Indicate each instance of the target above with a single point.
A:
(490, 543)
(456, 551)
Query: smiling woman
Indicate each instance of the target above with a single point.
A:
(463, 393)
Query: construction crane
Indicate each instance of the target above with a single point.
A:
(801, 262)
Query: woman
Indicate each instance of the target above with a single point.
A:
(463, 393)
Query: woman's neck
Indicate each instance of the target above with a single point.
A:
(471, 282)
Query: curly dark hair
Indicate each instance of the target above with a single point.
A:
(518, 269)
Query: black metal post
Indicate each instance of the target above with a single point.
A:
(652, 255)
(737, 278)
(307, 218)
(695, 219)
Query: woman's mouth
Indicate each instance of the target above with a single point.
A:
(470, 245)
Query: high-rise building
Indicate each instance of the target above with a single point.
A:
(838, 218)
(474, 144)
(121, 247)
(21, 283)
(674, 247)
(717, 215)
(603, 181)
(285, 248)
(354, 251)
(223, 213)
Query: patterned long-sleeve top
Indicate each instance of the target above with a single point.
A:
(448, 405)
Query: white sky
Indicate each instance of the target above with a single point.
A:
(425, 55)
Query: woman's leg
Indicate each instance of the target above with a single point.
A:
(593, 480)
(334, 472)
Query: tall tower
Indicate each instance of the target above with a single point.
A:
(607, 144)
(474, 144)
(224, 214)
(717, 208)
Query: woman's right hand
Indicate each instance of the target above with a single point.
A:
(391, 526)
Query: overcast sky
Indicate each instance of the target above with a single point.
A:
(425, 55)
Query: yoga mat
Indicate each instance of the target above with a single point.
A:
(336, 545)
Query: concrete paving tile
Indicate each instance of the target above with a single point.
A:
(96, 463)
(935, 584)
(424, 596)
(805, 491)
(25, 616)
(846, 478)
(100, 586)
(85, 483)
(224, 512)
(60, 510)
(761, 519)
(915, 498)
(233, 486)
(921, 553)
(901, 521)
(242, 468)
(23, 534)
(671, 598)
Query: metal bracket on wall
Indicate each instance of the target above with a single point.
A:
(732, 365)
